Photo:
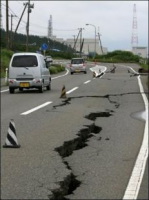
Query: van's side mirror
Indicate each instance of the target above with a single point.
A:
(48, 64)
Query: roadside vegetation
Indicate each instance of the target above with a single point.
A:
(145, 67)
(56, 68)
(5, 59)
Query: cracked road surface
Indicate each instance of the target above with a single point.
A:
(81, 147)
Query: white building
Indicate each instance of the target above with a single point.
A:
(140, 51)
(88, 46)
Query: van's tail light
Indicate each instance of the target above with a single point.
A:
(38, 81)
(11, 81)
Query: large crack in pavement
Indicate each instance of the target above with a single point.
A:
(70, 183)
(108, 96)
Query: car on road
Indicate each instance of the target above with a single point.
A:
(78, 65)
(28, 70)
(48, 59)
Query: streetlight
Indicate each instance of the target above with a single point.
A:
(95, 37)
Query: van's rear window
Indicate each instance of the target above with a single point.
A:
(25, 61)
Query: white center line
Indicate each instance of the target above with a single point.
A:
(36, 108)
(68, 92)
(87, 81)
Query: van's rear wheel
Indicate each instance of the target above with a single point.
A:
(49, 86)
(41, 88)
(21, 89)
(11, 90)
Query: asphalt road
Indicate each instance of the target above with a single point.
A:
(81, 147)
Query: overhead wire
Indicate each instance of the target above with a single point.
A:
(36, 25)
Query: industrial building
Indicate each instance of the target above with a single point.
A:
(88, 46)
(140, 51)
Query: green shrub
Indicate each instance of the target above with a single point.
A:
(5, 59)
(6, 53)
(55, 68)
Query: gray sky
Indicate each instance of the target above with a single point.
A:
(114, 19)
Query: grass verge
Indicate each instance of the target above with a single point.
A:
(55, 68)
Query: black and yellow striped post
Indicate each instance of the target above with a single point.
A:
(11, 139)
(63, 92)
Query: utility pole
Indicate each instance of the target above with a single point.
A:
(25, 4)
(100, 41)
(11, 29)
(7, 26)
(76, 41)
(81, 41)
(27, 26)
(82, 46)
(20, 18)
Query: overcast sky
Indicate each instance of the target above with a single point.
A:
(112, 19)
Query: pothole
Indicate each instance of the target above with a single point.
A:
(93, 116)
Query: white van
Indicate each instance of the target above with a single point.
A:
(28, 70)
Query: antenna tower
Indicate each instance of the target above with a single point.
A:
(50, 28)
(134, 38)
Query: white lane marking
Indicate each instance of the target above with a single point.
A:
(4, 91)
(133, 70)
(87, 81)
(61, 75)
(36, 108)
(75, 88)
(135, 180)
(45, 104)
(67, 71)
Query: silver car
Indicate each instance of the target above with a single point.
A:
(48, 59)
(77, 65)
